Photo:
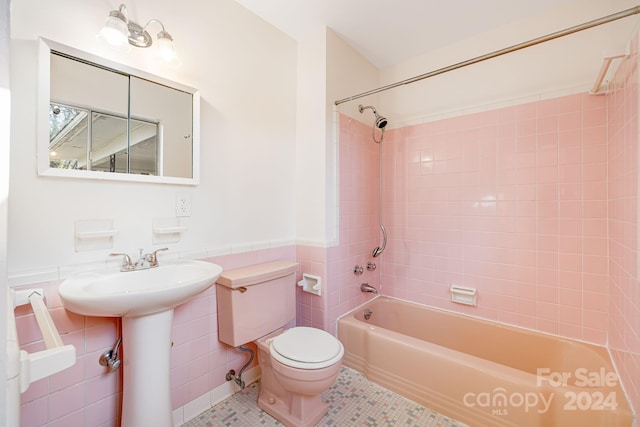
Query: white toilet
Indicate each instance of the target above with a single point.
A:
(255, 303)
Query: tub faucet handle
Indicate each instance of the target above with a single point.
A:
(357, 270)
(371, 266)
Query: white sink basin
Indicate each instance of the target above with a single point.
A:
(137, 293)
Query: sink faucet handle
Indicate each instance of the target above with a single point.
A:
(153, 257)
(126, 261)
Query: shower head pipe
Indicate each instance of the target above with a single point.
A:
(381, 122)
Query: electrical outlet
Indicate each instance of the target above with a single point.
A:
(183, 205)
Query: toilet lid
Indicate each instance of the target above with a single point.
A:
(306, 346)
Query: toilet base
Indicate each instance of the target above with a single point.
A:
(305, 411)
(303, 408)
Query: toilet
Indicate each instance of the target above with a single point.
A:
(298, 364)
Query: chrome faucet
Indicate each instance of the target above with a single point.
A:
(365, 287)
(143, 262)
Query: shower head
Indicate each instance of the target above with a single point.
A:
(381, 122)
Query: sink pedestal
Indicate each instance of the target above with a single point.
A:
(145, 300)
(146, 395)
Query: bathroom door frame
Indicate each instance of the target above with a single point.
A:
(5, 119)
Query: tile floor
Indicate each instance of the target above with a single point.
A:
(353, 401)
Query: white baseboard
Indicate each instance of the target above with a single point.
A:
(206, 401)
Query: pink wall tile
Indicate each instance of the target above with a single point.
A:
(75, 419)
(34, 413)
(102, 412)
(623, 325)
(66, 401)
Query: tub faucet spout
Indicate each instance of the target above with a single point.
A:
(365, 287)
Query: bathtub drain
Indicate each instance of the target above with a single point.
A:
(367, 313)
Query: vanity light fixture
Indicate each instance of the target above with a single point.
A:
(119, 31)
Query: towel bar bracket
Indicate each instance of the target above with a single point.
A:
(31, 367)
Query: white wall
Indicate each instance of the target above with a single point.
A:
(311, 140)
(328, 68)
(246, 72)
(562, 66)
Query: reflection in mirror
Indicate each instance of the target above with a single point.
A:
(67, 137)
(174, 119)
(101, 144)
(111, 122)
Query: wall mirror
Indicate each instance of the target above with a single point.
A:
(101, 120)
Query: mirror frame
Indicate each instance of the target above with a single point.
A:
(43, 98)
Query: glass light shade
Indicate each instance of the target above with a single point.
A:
(115, 32)
(165, 47)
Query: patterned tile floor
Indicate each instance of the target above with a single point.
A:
(352, 400)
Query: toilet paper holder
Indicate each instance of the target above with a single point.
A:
(311, 284)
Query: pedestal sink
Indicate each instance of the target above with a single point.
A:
(145, 300)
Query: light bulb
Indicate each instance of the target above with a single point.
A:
(115, 31)
(165, 47)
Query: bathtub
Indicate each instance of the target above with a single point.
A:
(481, 372)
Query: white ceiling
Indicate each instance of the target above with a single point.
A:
(387, 32)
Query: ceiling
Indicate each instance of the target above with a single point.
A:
(388, 32)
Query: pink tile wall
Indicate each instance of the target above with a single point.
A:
(358, 218)
(512, 202)
(624, 321)
(86, 395)
(311, 309)
(83, 394)
(358, 233)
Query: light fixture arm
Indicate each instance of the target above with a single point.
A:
(121, 13)
(161, 34)
(151, 21)
(121, 32)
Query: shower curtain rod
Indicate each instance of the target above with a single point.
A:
(584, 26)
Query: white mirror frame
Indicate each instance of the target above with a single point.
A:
(44, 85)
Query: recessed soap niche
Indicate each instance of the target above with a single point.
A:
(166, 230)
(94, 234)
(464, 295)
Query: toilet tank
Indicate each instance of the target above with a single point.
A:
(255, 300)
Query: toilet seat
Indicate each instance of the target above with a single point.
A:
(306, 348)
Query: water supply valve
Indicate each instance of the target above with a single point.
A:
(110, 358)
